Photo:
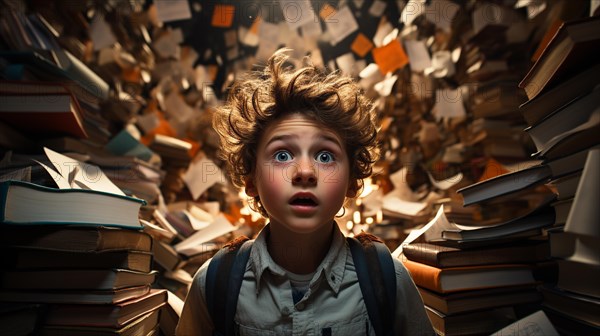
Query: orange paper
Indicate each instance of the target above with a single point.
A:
(390, 57)
(255, 24)
(326, 12)
(223, 16)
(493, 168)
(361, 45)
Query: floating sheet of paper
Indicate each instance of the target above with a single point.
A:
(346, 63)
(418, 55)
(223, 16)
(361, 45)
(449, 104)
(73, 174)
(384, 88)
(390, 57)
(411, 11)
(441, 65)
(395, 204)
(341, 24)
(297, 13)
(172, 10)
(415, 234)
(201, 175)
(219, 227)
(446, 183)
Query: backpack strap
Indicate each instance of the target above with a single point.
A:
(223, 282)
(377, 279)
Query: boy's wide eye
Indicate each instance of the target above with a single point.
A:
(283, 156)
(325, 157)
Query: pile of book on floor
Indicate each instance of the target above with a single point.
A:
(563, 112)
(75, 262)
(481, 281)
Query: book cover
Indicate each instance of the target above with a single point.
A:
(569, 51)
(74, 296)
(28, 258)
(91, 279)
(445, 256)
(145, 325)
(28, 203)
(74, 238)
(101, 315)
(461, 302)
(454, 279)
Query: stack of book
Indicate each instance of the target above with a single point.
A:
(80, 257)
(479, 283)
(564, 117)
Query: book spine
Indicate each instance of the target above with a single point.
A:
(4, 186)
(422, 254)
(424, 275)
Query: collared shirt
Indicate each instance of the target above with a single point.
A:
(333, 304)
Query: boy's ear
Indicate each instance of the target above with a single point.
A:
(250, 187)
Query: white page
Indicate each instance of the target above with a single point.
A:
(414, 234)
(172, 10)
(79, 175)
(418, 55)
(346, 63)
(216, 229)
(449, 104)
(297, 13)
(400, 206)
(196, 223)
(536, 324)
(201, 175)
(411, 11)
(341, 24)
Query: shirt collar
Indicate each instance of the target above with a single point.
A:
(332, 267)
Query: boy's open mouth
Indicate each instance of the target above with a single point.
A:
(304, 199)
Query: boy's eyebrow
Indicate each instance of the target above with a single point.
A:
(324, 137)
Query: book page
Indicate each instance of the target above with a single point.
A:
(73, 174)
(219, 227)
(297, 13)
(536, 324)
(201, 175)
(172, 10)
(341, 24)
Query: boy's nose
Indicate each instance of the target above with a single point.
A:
(305, 174)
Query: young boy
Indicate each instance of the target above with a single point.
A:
(300, 142)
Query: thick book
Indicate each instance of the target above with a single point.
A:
(579, 277)
(570, 51)
(445, 256)
(564, 94)
(26, 258)
(145, 325)
(580, 307)
(74, 238)
(80, 279)
(574, 119)
(505, 184)
(74, 296)
(454, 279)
(461, 302)
(102, 315)
(481, 322)
(41, 109)
(538, 219)
(28, 203)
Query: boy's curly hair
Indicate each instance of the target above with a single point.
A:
(335, 101)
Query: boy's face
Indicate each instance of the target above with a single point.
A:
(302, 173)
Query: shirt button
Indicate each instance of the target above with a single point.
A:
(285, 311)
(300, 306)
(332, 277)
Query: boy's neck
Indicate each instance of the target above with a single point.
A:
(299, 253)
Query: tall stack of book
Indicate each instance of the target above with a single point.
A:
(476, 280)
(564, 117)
(80, 258)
